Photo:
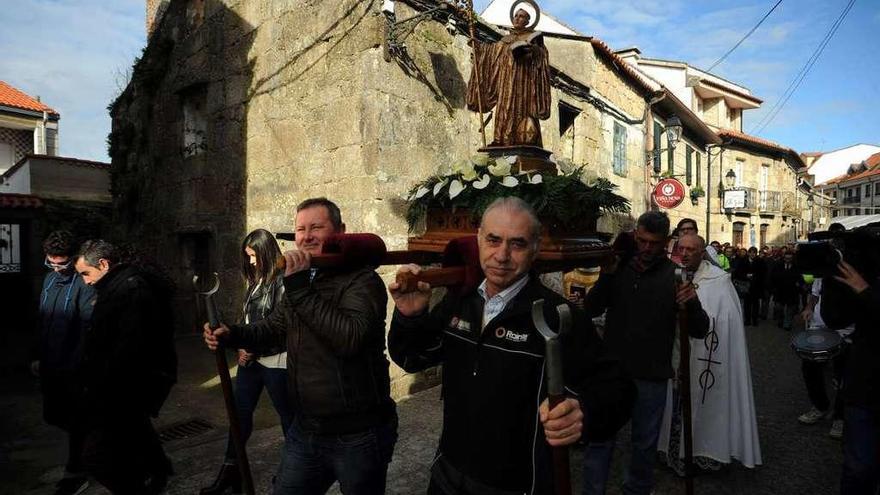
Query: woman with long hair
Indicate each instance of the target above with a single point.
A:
(257, 368)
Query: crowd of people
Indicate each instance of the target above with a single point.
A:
(315, 339)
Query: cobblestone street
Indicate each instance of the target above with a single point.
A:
(798, 459)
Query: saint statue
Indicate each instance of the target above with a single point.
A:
(513, 77)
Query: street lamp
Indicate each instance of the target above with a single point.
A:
(730, 179)
(673, 131)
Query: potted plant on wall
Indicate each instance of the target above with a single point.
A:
(697, 192)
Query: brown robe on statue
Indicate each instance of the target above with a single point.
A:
(516, 84)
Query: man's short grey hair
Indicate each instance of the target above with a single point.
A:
(513, 203)
(699, 238)
(94, 250)
(655, 222)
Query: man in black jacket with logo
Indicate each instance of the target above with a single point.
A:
(642, 298)
(497, 430)
(128, 367)
(345, 423)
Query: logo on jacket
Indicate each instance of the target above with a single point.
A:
(503, 333)
(460, 324)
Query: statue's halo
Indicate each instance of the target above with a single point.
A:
(532, 4)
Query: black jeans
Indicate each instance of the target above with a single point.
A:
(122, 452)
(751, 307)
(249, 384)
(814, 379)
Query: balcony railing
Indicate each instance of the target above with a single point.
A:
(769, 201)
(751, 203)
(852, 200)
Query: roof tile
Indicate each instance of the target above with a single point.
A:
(12, 97)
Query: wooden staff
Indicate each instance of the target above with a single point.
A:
(684, 390)
(226, 384)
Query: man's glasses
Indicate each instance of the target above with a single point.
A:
(57, 266)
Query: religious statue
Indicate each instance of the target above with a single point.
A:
(513, 77)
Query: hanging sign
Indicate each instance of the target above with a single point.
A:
(668, 193)
(734, 199)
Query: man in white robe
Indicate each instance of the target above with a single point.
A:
(723, 407)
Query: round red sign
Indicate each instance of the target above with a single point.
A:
(668, 193)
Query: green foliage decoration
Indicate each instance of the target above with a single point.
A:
(566, 201)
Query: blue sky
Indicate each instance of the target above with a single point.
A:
(73, 53)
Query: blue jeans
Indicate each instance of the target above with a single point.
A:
(311, 462)
(647, 413)
(249, 384)
(861, 441)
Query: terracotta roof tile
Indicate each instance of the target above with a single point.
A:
(12, 97)
(19, 201)
(748, 138)
(873, 161)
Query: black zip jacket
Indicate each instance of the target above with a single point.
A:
(493, 384)
(641, 319)
(258, 304)
(129, 360)
(335, 329)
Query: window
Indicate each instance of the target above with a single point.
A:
(699, 181)
(619, 149)
(195, 125)
(688, 157)
(195, 14)
(567, 116)
(7, 156)
(658, 130)
(867, 190)
(740, 170)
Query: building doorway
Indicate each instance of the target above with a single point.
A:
(738, 228)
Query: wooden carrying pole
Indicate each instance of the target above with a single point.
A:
(684, 396)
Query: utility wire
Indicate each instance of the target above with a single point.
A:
(799, 78)
(740, 42)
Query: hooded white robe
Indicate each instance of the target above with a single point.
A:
(723, 407)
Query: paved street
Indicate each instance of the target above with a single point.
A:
(797, 459)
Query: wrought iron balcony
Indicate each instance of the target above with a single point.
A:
(751, 200)
(852, 200)
(769, 201)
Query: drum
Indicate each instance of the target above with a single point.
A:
(817, 344)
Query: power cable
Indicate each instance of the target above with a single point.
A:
(802, 74)
(740, 42)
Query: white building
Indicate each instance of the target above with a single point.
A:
(27, 126)
(834, 164)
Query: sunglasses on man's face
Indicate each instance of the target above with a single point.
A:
(59, 266)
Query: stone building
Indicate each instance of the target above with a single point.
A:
(239, 110)
(768, 173)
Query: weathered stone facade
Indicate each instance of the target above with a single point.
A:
(774, 206)
(234, 117)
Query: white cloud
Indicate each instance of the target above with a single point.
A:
(68, 52)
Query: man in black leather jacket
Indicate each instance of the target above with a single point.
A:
(497, 429)
(345, 424)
